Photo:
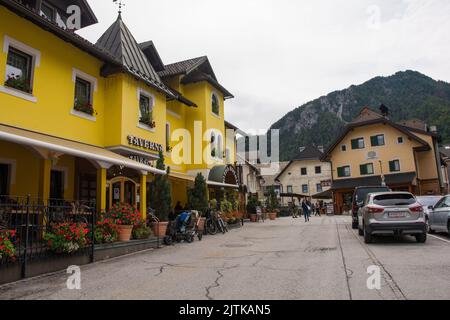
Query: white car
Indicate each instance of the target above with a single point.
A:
(428, 202)
(439, 216)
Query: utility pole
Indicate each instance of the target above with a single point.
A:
(383, 180)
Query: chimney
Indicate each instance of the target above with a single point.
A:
(433, 129)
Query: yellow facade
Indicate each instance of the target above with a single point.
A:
(392, 150)
(49, 110)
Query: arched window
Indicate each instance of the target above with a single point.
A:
(168, 148)
(213, 145)
(215, 105)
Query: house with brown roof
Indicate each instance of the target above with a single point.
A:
(373, 150)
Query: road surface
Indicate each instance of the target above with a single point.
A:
(282, 260)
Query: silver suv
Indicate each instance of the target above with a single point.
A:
(439, 216)
(392, 213)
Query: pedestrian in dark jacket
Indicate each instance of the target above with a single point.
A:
(306, 210)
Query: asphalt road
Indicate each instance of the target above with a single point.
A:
(282, 260)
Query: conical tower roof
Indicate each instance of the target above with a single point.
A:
(120, 43)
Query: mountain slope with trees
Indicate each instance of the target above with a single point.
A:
(408, 95)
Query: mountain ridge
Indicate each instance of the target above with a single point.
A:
(408, 94)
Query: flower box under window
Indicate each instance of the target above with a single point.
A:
(147, 119)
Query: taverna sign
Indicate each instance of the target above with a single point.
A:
(144, 144)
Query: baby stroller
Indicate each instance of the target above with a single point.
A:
(184, 227)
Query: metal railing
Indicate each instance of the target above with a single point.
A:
(32, 218)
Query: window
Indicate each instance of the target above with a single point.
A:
(367, 169)
(377, 141)
(443, 203)
(344, 171)
(146, 104)
(48, 11)
(290, 189)
(213, 145)
(19, 69)
(319, 188)
(83, 96)
(400, 140)
(318, 170)
(305, 189)
(4, 179)
(394, 199)
(344, 148)
(358, 143)
(168, 147)
(304, 171)
(215, 105)
(394, 166)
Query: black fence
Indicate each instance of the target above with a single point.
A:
(45, 232)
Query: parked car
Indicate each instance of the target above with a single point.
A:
(439, 217)
(428, 202)
(359, 195)
(392, 213)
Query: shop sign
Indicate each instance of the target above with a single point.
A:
(326, 183)
(145, 144)
(141, 160)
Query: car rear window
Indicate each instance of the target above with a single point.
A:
(394, 200)
(361, 194)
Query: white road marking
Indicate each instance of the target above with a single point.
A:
(430, 235)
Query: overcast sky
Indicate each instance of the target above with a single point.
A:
(275, 55)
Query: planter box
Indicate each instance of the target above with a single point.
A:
(10, 273)
(117, 249)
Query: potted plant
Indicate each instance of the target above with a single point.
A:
(198, 195)
(147, 119)
(7, 248)
(66, 237)
(162, 199)
(141, 231)
(106, 231)
(226, 208)
(84, 106)
(125, 216)
(272, 204)
(18, 82)
(252, 207)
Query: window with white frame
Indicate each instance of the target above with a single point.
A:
(85, 86)
(146, 103)
(20, 67)
(215, 104)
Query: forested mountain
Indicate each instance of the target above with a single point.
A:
(407, 94)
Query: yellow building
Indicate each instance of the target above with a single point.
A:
(373, 150)
(305, 176)
(82, 121)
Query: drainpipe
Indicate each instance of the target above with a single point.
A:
(438, 165)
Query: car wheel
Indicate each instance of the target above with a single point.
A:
(355, 225)
(421, 238)
(367, 236)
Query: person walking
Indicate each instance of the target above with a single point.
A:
(306, 211)
(294, 211)
(318, 209)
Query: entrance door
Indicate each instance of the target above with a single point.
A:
(57, 185)
(4, 173)
(123, 190)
